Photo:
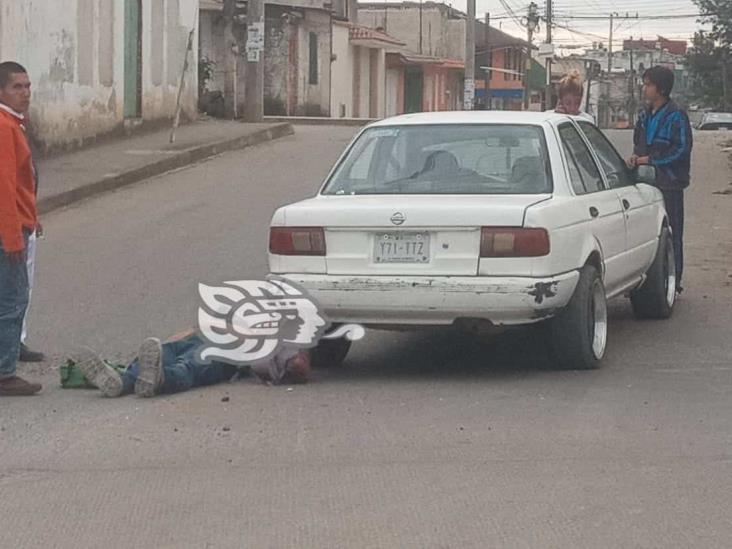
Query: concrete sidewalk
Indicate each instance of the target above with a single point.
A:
(71, 177)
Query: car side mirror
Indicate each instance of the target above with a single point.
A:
(645, 173)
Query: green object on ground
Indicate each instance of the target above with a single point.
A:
(73, 378)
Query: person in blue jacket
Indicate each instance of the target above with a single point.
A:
(663, 139)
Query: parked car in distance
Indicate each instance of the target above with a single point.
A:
(716, 121)
(481, 219)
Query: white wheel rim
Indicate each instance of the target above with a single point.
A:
(670, 272)
(598, 328)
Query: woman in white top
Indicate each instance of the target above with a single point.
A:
(571, 91)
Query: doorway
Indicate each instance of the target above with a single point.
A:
(413, 86)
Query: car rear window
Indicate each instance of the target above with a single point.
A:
(445, 159)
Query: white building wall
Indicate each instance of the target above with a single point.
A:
(74, 53)
(159, 91)
(392, 86)
(380, 84)
(364, 59)
(342, 74)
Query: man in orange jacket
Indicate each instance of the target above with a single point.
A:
(17, 222)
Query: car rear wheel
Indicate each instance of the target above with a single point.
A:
(330, 353)
(578, 335)
(656, 297)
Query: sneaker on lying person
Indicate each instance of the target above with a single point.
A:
(99, 373)
(150, 377)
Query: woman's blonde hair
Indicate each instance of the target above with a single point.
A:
(571, 84)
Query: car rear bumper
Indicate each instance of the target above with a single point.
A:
(422, 300)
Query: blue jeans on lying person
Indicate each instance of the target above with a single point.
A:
(181, 368)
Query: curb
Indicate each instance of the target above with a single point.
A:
(186, 157)
(321, 121)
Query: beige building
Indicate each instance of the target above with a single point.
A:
(97, 64)
(359, 73)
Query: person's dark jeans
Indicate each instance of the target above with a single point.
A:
(13, 305)
(181, 369)
(674, 201)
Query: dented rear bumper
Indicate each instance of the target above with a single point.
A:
(424, 300)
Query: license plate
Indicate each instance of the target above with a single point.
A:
(402, 247)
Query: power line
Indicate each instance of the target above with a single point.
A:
(644, 17)
(580, 33)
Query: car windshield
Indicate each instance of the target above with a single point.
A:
(445, 159)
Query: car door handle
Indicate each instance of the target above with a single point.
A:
(594, 212)
(626, 204)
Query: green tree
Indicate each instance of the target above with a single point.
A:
(709, 58)
(718, 13)
(704, 61)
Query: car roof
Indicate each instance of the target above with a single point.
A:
(718, 116)
(471, 117)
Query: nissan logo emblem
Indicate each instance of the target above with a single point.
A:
(398, 218)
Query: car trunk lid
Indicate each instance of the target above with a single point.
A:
(407, 235)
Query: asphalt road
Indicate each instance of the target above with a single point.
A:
(422, 440)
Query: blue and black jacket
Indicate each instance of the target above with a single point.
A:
(667, 139)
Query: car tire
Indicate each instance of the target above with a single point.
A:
(578, 334)
(656, 297)
(330, 353)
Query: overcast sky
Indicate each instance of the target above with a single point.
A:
(584, 32)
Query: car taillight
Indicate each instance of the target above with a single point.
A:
(513, 242)
(297, 241)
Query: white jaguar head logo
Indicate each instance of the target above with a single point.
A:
(246, 322)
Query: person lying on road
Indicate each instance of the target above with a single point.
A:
(173, 367)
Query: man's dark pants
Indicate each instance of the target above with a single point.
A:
(13, 305)
(674, 201)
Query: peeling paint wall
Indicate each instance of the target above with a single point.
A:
(212, 44)
(279, 97)
(74, 53)
(287, 85)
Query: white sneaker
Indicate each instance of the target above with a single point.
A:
(150, 377)
(99, 373)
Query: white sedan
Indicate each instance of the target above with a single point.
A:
(481, 220)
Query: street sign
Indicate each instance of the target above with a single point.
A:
(469, 94)
(255, 41)
(546, 50)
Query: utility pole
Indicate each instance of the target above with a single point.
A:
(254, 85)
(488, 61)
(725, 86)
(548, 91)
(420, 28)
(588, 70)
(610, 46)
(469, 57)
(632, 109)
(532, 21)
(231, 75)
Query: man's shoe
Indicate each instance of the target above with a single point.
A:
(26, 355)
(100, 374)
(15, 386)
(150, 377)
